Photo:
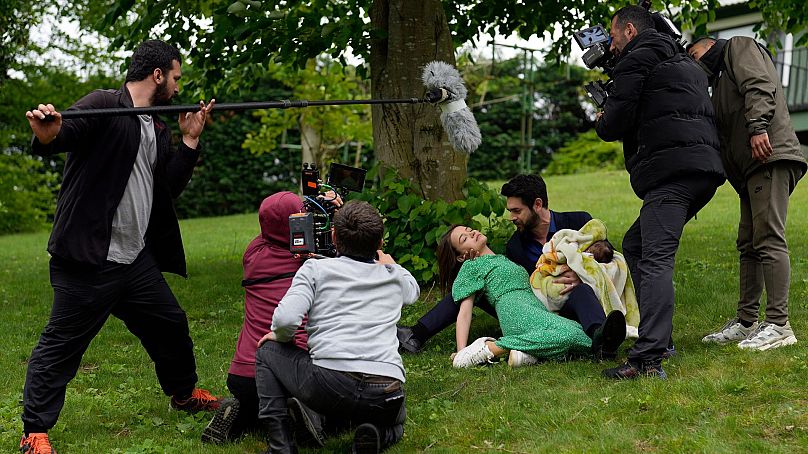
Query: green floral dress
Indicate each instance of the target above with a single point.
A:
(527, 326)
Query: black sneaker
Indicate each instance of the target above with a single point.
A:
(631, 370)
(609, 336)
(366, 440)
(220, 428)
(307, 424)
(407, 342)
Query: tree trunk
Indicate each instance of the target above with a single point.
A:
(410, 137)
(309, 143)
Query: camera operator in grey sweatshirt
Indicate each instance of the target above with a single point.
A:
(352, 373)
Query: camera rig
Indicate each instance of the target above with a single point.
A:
(595, 41)
(310, 231)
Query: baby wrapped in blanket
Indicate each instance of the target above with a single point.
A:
(583, 251)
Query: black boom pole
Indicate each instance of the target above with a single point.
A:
(432, 96)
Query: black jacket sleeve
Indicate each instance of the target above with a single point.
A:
(76, 131)
(620, 111)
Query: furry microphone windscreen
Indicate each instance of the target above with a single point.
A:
(456, 117)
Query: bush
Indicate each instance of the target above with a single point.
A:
(414, 225)
(26, 193)
(586, 153)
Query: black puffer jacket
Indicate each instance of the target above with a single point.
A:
(660, 109)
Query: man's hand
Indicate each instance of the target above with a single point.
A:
(598, 115)
(332, 197)
(569, 278)
(44, 130)
(761, 147)
(192, 123)
(384, 259)
(270, 336)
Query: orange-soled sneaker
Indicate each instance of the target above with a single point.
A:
(200, 400)
(36, 443)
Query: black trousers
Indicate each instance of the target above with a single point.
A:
(83, 299)
(650, 246)
(283, 370)
(582, 306)
(245, 391)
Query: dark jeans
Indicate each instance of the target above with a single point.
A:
(582, 306)
(649, 247)
(83, 299)
(346, 399)
(245, 391)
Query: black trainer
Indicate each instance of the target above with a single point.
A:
(608, 337)
(631, 370)
(220, 428)
(307, 424)
(407, 342)
(366, 440)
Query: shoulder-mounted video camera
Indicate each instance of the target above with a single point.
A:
(310, 231)
(595, 41)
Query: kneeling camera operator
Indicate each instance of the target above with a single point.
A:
(310, 231)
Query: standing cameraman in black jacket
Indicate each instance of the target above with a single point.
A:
(660, 109)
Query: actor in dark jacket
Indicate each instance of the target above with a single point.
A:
(114, 232)
(536, 224)
(660, 109)
(763, 160)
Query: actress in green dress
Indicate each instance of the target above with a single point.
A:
(530, 332)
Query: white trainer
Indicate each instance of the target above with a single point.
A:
(769, 336)
(518, 359)
(732, 331)
(475, 354)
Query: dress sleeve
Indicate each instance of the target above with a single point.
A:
(469, 280)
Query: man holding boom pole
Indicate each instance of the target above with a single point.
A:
(114, 233)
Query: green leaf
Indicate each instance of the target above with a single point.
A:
(237, 8)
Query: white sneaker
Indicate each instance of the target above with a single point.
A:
(518, 359)
(769, 336)
(474, 355)
(732, 331)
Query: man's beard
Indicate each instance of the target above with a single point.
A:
(161, 96)
(531, 223)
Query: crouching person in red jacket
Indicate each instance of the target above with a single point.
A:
(268, 271)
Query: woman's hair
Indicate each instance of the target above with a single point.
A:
(448, 266)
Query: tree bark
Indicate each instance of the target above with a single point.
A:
(407, 137)
(310, 141)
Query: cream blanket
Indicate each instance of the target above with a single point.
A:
(610, 281)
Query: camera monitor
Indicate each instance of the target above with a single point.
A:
(346, 177)
(588, 37)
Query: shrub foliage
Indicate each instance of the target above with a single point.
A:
(587, 153)
(414, 225)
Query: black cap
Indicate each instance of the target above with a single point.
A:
(697, 40)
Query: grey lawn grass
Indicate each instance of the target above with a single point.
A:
(718, 399)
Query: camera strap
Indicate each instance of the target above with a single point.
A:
(264, 280)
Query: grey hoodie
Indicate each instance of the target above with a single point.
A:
(353, 308)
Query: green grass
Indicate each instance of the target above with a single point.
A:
(718, 399)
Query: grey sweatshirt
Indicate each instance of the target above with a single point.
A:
(353, 309)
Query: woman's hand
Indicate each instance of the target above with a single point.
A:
(471, 254)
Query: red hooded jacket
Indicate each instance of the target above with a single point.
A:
(267, 255)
